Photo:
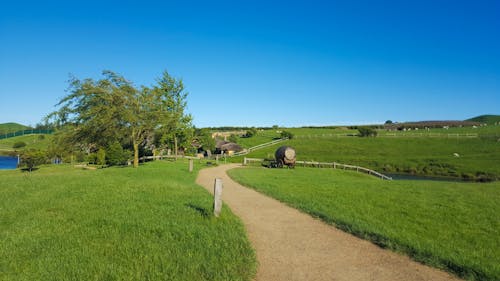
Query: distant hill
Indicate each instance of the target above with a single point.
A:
(488, 119)
(6, 128)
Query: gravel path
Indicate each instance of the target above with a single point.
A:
(291, 245)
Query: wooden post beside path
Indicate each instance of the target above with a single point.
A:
(190, 165)
(217, 197)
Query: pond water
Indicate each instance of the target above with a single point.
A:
(8, 162)
(421, 178)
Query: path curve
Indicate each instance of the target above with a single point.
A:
(291, 245)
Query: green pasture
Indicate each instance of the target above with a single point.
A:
(449, 225)
(150, 223)
(261, 137)
(468, 158)
(32, 141)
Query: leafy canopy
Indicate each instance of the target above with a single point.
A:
(97, 113)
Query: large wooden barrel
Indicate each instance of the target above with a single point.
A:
(285, 155)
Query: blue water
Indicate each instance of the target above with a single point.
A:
(7, 162)
(422, 178)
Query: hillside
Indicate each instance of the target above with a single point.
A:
(32, 141)
(488, 119)
(11, 128)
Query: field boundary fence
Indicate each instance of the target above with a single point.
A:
(159, 157)
(257, 147)
(25, 132)
(333, 165)
(413, 135)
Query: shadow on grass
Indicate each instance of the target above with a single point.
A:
(28, 170)
(202, 211)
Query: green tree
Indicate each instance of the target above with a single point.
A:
(251, 132)
(33, 157)
(367, 132)
(233, 138)
(175, 124)
(112, 110)
(116, 155)
(286, 135)
(205, 140)
(101, 157)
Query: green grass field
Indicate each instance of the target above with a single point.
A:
(478, 157)
(450, 225)
(150, 223)
(32, 141)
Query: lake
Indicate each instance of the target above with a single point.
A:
(8, 162)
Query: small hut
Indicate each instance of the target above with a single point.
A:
(228, 148)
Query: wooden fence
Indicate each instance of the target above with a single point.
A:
(257, 147)
(24, 132)
(144, 158)
(410, 135)
(333, 165)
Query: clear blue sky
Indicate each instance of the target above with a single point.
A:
(260, 63)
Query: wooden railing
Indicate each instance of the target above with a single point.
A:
(257, 147)
(333, 165)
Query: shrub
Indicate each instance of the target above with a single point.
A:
(101, 157)
(116, 155)
(32, 158)
(233, 138)
(91, 158)
(251, 132)
(19, 144)
(367, 132)
(286, 134)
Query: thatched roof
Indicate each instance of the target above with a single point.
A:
(228, 146)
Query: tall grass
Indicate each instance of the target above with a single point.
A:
(450, 225)
(151, 223)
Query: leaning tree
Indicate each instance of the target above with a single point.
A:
(112, 110)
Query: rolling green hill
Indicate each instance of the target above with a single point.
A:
(31, 141)
(12, 127)
(437, 152)
(488, 119)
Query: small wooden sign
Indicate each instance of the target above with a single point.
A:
(217, 197)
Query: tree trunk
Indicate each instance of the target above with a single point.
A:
(175, 146)
(136, 154)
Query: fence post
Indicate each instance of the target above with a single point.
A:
(244, 161)
(190, 165)
(217, 196)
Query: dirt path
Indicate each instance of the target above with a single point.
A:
(291, 245)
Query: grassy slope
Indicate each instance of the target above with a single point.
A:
(11, 128)
(417, 155)
(151, 223)
(488, 119)
(32, 141)
(449, 225)
(260, 138)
